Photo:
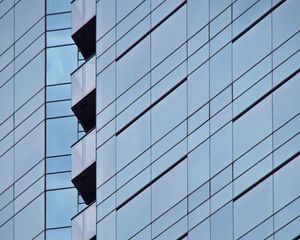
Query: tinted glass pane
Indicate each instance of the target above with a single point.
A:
(61, 61)
(7, 33)
(198, 88)
(198, 166)
(6, 170)
(55, 6)
(165, 116)
(286, 101)
(6, 100)
(252, 47)
(252, 127)
(166, 38)
(61, 134)
(127, 72)
(25, 229)
(286, 21)
(198, 12)
(61, 207)
(221, 149)
(169, 189)
(221, 224)
(138, 211)
(29, 80)
(220, 70)
(105, 16)
(29, 151)
(27, 13)
(133, 141)
(252, 208)
(286, 188)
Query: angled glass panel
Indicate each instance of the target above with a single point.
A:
(83, 153)
(82, 12)
(84, 224)
(138, 210)
(83, 80)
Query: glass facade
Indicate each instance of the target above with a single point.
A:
(37, 126)
(197, 108)
(149, 119)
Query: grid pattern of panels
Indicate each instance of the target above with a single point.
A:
(61, 125)
(22, 119)
(198, 119)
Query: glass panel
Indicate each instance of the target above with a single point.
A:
(124, 7)
(29, 151)
(61, 61)
(84, 224)
(165, 116)
(286, 101)
(58, 164)
(58, 180)
(61, 207)
(169, 189)
(221, 223)
(61, 234)
(83, 153)
(106, 161)
(6, 100)
(106, 228)
(252, 47)
(198, 88)
(138, 211)
(253, 207)
(203, 230)
(221, 149)
(27, 13)
(7, 31)
(105, 16)
(58, 92)
(82, 12)
(59, 21)
(7, 230)
(90, 222)
(59, 109)
(77, 15)
(106, 87)
(55, 6)
(29, 80)
(286, 21)
(198, 166)
(252, 14)
(61, 134)
(198, 12)
(25, 229)
(133, 141)
(127, 72)
(217, 6)
(259, 119)
(165, 39)
(286, 188)
(220, 70)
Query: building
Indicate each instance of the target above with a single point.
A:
(184, 124)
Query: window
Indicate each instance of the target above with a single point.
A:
(138, 211)
(169, 189)
(165, 116)
(133, 141)
(251, 47)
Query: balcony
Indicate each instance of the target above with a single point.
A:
(84, 26)
(84, 224)
(84, 94)
(84, 166)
